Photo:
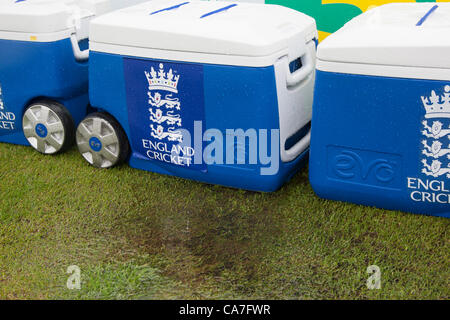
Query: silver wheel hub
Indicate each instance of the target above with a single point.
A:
(43, 129)
(97, 142)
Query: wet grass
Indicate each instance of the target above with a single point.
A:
(138, 235)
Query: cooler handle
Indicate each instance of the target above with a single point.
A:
(299, 147)
(292, 79)
(79, 55)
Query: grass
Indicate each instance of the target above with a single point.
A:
(138, 235)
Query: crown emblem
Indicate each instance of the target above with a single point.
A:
(437, 106)
(161, 80)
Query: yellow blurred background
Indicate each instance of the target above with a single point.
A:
(364, 5)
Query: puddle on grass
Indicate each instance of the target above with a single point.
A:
(203, 230)
(193, 231)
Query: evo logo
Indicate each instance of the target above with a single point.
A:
(364, 167)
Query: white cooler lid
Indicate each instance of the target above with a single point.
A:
(49, 16)
(35, 16)
(398, 34)
(227, 28)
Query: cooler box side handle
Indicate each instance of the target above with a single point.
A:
(293, 79)
(299, 147)
(295, 88)
(77, 52)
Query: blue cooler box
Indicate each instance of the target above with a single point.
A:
(381, 115)
(213, 91)
(44, 69)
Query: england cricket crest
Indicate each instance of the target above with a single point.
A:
(164, 100)
(7, 119)
(432, 183)
(2, 107)
(436, 134)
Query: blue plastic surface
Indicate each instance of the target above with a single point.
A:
(371, 138)
(218, 10)
(35, 70)
(427, 15)
(226, 97)
(170, 8)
